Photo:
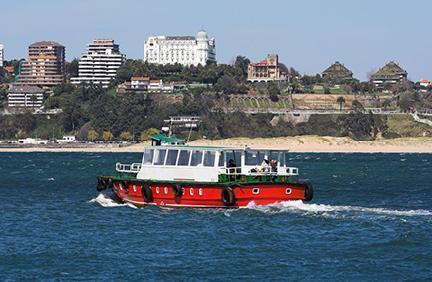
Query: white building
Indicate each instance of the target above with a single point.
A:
(30, 97)
(99, 65)
(140, 82)
(67, 139)
(185, 50)
(1, 55)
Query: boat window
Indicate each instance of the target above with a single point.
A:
(277, 156)
(183, 158)
(209, 158)
(235, 156)
(160, 157)
(148, 156)
(221, 159)
(196, 158)
(254, 157)
(286, 161)
(171, 157)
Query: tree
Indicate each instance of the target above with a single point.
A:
(25, 122)
(71, 68)
(386, 103)
(126, 136)
(241, 65)
(341, 101)
(107, 136)
(92, 135)
(33, 99)
(361, 126)
(273, 91)
(73, 116)
(357, 107)
(405, 102)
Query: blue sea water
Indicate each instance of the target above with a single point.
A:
(371, 219)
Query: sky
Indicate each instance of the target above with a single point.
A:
(308, 35)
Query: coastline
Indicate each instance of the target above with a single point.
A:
(300, 144)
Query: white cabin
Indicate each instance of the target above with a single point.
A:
(205, 164)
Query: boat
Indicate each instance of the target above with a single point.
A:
(175, 175)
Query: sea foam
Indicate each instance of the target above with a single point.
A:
(106, 201)
(293, 206)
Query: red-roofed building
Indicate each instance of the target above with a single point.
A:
(425, 83)
(140, 82)
(268, 69)
(9, 69)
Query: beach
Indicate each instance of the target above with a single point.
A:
(307, 144)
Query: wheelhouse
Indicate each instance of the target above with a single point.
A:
(208, 164)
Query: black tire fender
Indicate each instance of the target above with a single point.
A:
(110, 183)
(146, 193)
(309, 191)
(125, 186)
(101, 184)
(228, 197)
(177, 190)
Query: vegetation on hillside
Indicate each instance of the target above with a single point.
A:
(93, 113)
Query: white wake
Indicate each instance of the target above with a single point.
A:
(106, 201)
(299, 206)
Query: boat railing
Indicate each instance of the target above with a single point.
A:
(128, 168)
(291, 171)
(288, 171)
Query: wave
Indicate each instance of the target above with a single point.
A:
(110, 201)
(299, 206)
(107, 201)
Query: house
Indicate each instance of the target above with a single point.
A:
(337, 71)
(425, 83)
(268, 69)
(388, 75)
(139, 82)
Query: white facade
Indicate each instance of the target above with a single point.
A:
(99, 65)
(25, 97)
(67, 139)
(185, 50)
(1, 55)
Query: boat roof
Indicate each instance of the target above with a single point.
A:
(215, 148)
(166, 139)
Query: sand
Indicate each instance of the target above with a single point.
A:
(295, 144)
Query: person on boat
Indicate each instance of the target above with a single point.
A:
(273, 164)
(265, 165)
(231, 165)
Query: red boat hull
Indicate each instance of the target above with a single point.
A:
(209, 196)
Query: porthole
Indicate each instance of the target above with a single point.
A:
(255, 191)
(157, 189)
(166, 190)
(288, 191)
(191, 191)
(200, 191)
